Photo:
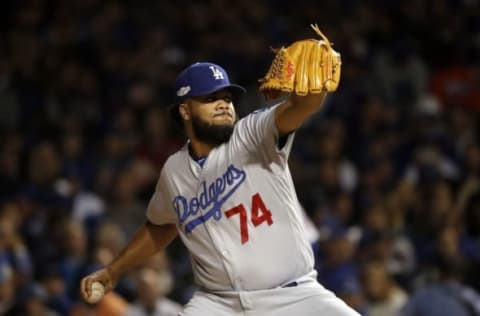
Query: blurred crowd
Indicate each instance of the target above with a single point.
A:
(388, 171)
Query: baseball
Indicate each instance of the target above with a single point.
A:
(97, 292)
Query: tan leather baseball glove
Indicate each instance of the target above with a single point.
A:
(306, 66)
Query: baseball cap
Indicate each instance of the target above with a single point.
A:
(203, 78)
(199, 79)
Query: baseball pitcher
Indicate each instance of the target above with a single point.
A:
(229, 195)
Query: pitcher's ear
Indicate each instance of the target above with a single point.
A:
(184, 110)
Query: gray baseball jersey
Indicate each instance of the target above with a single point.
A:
(237, 211)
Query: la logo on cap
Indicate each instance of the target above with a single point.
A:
(216, 73)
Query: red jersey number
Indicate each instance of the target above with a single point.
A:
(260, 214)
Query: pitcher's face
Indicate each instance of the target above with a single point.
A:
(212, 116)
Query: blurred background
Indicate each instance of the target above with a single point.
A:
(388, 171)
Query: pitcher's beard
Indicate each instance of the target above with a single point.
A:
(211, 134)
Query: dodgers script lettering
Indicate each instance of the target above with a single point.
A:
(210, 200)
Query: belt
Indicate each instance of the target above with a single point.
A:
(291, 284)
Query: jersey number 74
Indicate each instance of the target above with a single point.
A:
(259, 211)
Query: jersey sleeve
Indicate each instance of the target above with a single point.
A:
(258, 133)
(159, 210)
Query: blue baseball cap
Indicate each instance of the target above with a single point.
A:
(201, 79)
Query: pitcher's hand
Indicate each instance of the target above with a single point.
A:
(103, 276)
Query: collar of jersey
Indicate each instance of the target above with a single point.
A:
(201, 161)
